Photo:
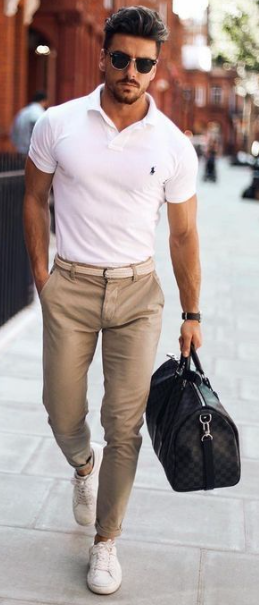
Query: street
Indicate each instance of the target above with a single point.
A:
(178, 549)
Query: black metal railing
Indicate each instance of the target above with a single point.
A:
(16, 284)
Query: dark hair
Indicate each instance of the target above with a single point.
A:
(39, 96)
(135, 21)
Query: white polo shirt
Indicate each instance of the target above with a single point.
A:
(108, 185)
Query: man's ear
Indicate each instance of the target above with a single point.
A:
(102, 60)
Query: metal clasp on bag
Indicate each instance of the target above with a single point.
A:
(205, 421)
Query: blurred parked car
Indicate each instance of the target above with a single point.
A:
(242, 159)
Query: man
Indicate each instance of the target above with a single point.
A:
(114, 160)
(25, 120)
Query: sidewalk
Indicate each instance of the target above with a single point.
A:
(190, 549)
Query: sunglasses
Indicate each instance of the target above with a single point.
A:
(120, 61)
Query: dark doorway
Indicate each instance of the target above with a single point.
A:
(41, 67)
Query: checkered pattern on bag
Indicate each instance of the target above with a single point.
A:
(186, 459)
(173, 410)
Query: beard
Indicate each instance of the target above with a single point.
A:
(121, 96)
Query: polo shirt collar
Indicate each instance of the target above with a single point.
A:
(94, 104)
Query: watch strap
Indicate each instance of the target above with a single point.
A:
(191, 316)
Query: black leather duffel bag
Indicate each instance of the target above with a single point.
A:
(192, 434)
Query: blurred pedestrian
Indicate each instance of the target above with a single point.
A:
(116, 159)
(210, 173)
(25, 121)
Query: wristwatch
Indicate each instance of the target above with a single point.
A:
(191, 316)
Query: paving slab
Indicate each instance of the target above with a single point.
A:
(250, 441)
(213, 348)
(11, 602)
(185, 519)
(16, 451)
(246, 350)
(49, 462)
(252, 526)
(57, 515)
(236, 367)
(16, 365)
(21, 499)
(230, 579)
(23, 346)
(249, 389)
(249, 324)
(33, 419)
(243, 411)
(95, 392)
(161, 517)
(150, 473)
(27, 390)
(24, 419)
(51, 568)
(225, 333)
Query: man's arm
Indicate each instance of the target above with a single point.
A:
(184, 250)
(36, 221)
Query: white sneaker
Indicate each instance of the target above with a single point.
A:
(104, 575)
(85, 491)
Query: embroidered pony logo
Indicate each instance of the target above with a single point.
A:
(152, 171)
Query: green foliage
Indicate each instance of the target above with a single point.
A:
(234, 32)
(238, 28)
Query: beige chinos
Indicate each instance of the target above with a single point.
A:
(128, 311)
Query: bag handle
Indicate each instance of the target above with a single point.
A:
(185, 362)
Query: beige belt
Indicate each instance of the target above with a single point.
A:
(107, 272)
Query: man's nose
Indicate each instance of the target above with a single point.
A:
(131, 69)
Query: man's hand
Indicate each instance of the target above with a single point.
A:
(39, 283)
(190, 332)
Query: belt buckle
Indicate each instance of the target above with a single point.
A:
(104, 273)
(105, 276)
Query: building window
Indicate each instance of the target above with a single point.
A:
(216, 93)
(200, 96)
(163, 11)
(108, 4)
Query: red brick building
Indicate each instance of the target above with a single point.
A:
(211, 105)
(194, 99)
(73, 31)
(13, 69)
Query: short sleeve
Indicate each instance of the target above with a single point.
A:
(182, 185)
(41, 146)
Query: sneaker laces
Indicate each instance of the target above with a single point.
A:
(103, 557)
(83, 492)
